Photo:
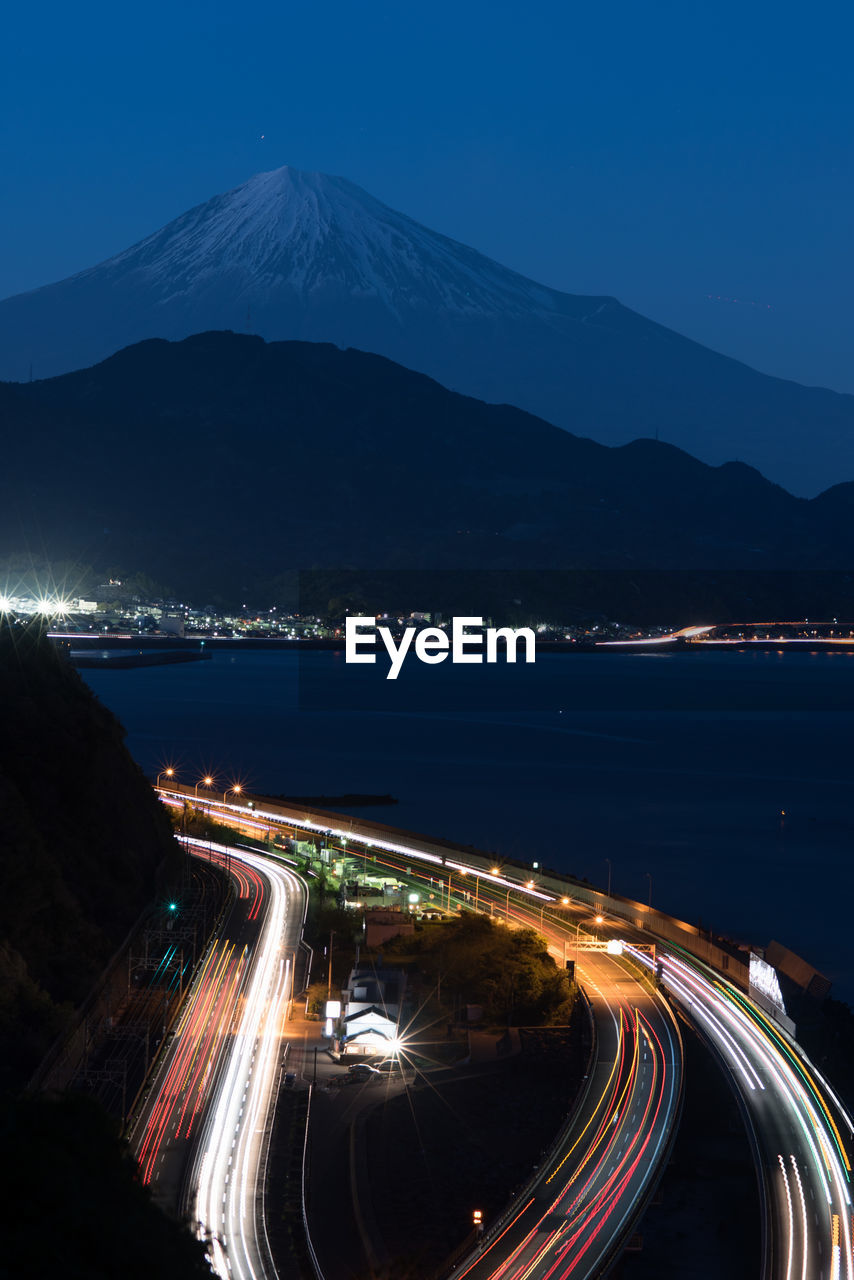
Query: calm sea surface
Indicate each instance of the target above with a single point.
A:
(676, 765)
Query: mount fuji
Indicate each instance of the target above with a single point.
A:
(297, 255)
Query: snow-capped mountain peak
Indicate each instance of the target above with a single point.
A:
(297, 255)
(311, 234)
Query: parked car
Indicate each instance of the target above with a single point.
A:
(363, 1071)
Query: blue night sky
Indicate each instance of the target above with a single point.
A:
(662, 153)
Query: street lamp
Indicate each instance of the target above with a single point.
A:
(466, 872)
(165, 773)
(208, 782)
(237, 789)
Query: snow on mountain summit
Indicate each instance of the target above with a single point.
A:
(298, 255)
(310, 233)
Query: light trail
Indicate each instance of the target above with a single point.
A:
(228, 1168)
(790, 1104)
(618, 1156)
(790, 1251)
(789, 1108)
(587, 1196)
(262, 820)
(215, 1100)
(804, 1229)
(200, 1039)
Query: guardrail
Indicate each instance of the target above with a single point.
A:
(315, 1264)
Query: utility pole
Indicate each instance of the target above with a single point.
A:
(329, 987)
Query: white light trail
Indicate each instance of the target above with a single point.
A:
(804, 1231)
(229, 1172)
(746, 1038)
(750, 1045)
(218, 807)
(791, 1237)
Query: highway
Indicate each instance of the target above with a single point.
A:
(585, 1200)
(801, 1133)
(574, 1217)
(802, 1136)
(202, 1137)
(579, 1208)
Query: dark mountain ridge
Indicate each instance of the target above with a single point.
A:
(219, 462)
(304, 256)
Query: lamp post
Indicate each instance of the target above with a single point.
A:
(165, 773)
(329, 984)
(237, 789)
(476, 874)
(208, 782)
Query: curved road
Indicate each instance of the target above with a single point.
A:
(802, 1135)
(576, 1215)
(580, 1206)
(201, 1139)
